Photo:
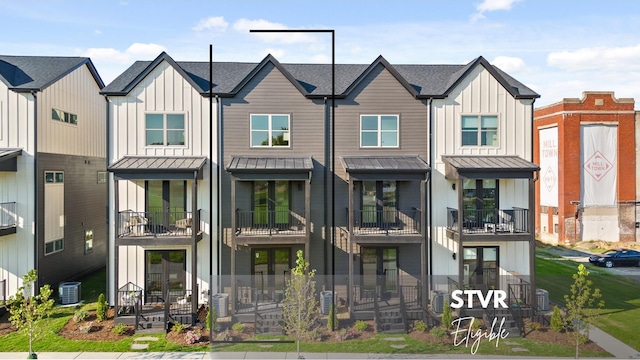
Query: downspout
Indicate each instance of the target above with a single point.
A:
(219, 189)
(532, 245)
(108, 156)
(326, 193)
(429, 198)
(36, 286)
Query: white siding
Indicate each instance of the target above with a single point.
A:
(163, 90)
(479, 94)
(17, 250)
(76, 93)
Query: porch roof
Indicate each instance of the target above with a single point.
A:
(158, 167)
(408, 167)
(271, 167)
(488, 167)
(8, 158)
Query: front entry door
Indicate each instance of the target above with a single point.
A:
(480, 266)
(380, 270)
(270, 269)
(165, 273)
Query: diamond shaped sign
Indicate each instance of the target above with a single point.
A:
(549, 179)
(597, 166)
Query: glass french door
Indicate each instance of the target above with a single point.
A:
(479, 201)
(480, 267)
(270, 269)
(166, 201)
(271, 203)
(165, 273)
(380, 270)
(379, 203)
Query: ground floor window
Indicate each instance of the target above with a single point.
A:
(53, 246)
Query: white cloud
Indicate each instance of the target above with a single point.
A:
(612, 58)
(216, 23)
(244, 25)
(510, 65)
(491, 5)
(97, 32)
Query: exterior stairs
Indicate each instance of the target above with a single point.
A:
(510, 324)
(269, 322)
(390, 320)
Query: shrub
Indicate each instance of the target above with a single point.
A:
(212, 318)
(191, 337)
(87, 327)
(314, 335)
(360, 325)
(80, 315)
(420, 326)
(534, 326)
(557, 322)
(119, 329)
(102, 307)
(178, 328)
(224, 336)
(447, 315)
(438, 332)
(476, 324)
(238, 327)
(346, 334)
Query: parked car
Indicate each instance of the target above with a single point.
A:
(616, 257)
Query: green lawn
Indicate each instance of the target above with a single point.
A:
(621, 295)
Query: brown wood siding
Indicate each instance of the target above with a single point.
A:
(85, 203)
(269, 92)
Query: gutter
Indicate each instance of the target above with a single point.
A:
(35, 190)
(430, 198)
(108, 138)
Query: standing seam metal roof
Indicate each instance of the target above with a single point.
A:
(494, 163)
(158, 163)
(270, 164)
(384, 164)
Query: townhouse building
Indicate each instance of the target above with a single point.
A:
(431, 174)
(52, 170)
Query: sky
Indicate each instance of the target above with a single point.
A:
(558, 48)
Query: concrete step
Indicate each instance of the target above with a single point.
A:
(392, 328)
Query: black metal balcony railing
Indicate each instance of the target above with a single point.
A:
(388, 221)
(147, 223)
(483, 221)
(270, 222)
(8, 214)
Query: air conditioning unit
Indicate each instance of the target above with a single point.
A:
(542, 299)
(69, 292)
(437, 302)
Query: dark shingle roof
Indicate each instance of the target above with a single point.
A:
(315, 79)
(25, 73)
(405, 164)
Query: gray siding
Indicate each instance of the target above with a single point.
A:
(85, 203)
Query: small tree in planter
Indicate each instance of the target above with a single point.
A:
(300, 306)
(27, 311)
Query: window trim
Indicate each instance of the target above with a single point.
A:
(164, 128)
(55, 243)
(55, 179)
(102, 177)
(87, 233)
(380, 131)
(478, 130)
(269, 131)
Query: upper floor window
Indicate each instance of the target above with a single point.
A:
(64, 116)
(479, 130)
(164, 129)
(379, 131)
(270, 130)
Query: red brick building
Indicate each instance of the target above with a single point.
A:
(586, 152)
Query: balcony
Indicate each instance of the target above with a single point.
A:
(388, 225)
(157, 225)
(7, 218)
(491, 222)
(280, 224)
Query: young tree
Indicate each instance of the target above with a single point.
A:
(580, 304)
(447, 315)
(300, 306)
(28, 310)
(101, 308)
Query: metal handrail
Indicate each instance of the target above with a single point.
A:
(387, 221)
(270, 222)
(495, 221)
(162, 223)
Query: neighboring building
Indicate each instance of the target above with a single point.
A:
(52, 170)
(396, 217)
(161, 157)
(587, 188)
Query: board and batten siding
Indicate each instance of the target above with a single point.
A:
(76, 93)
(270, 92)
(163, 90)
(16, 124)
(479, 94)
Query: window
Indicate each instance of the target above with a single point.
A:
(479, 130)
(270, 130)
(164, 129)
(88, 241)
(102, 177)
(51, 177)
(64, 116)
(271, 202)
(53, 246)
(379, 131)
